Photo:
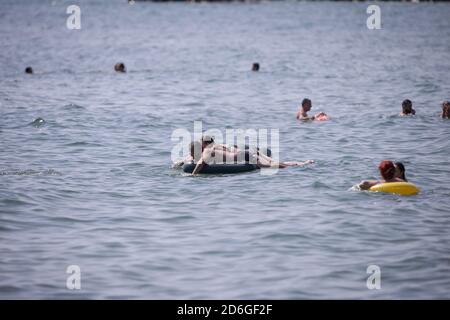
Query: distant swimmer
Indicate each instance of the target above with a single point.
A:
(387, 172)
(207, 151)
(302, 114)
(255, 66)
(29, 70)
(400, 171)
(120, 67)
(306, 106)
(446, 110)
(407, 108)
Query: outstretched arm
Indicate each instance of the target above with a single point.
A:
(297, 163)
(366, 185)
(206, 155)
(198, 167)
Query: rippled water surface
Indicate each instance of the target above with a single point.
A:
(91, 185)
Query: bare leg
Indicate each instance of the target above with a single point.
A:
(297, 163)
(266, 161)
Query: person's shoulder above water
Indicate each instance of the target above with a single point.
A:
(306, 106)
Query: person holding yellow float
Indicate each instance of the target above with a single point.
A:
(394, 180)
(387, 171)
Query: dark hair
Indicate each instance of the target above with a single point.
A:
(255, 66)
(28, 70)
(407, 106)
(305, 101)
(402, 169)
(446, 109)
(120, 67)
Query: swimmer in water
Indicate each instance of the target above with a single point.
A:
(39, 122)
(407, 108)
(387, 172)
(302, 114)
(446, 110)
(29, 70)
(255, 66)
(400, 171)
(208, 151)
(120, 67)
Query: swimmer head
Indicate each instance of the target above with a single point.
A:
(400, 171)
(206, 140)
(387, 170)
(407, 107)
(446, 110)
(255, 66)
(29, 70)
(306, 105)
(120, 67)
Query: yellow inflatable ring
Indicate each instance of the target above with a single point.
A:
(401, 188)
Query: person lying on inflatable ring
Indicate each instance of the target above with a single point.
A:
(302, 113)
(387, 171)
(207, 151)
